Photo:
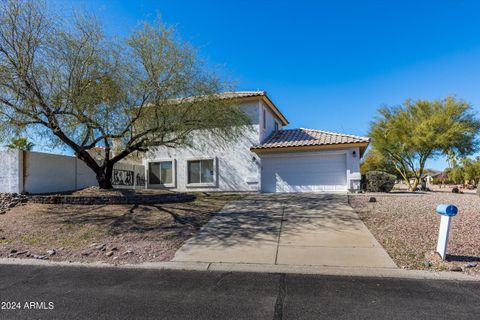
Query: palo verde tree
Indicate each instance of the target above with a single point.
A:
(410, 134)
(375, 161)
(64, 80)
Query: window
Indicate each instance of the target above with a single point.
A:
(264, 119)
(276, 125)
(160, 172)
(201, 171)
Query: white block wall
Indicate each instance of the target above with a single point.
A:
(11, 175)
(37, 172)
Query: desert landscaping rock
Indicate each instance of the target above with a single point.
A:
(101, 247)
(39, 257)
(471, 265)
(456, 269)
(407, 225)
(97, 197)
(159, 229)
(10, 200)
(109, 253)
(51, 252)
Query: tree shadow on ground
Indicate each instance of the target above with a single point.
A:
(256, 216)
(262, 216)
(117, 219)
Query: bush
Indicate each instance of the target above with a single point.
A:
(379, 181)
(363, 183)
(455, 190)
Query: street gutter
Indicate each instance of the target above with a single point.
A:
(258, 268)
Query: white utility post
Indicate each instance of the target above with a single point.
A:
(447, 211)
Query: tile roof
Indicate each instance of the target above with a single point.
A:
(225, 95)
(307, 137)
(249, 94)
(242, 94)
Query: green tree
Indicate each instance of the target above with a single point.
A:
(456, 174)
(410, 134)
(21, 144)
(63, 79)
(466, 170)
(375, 161)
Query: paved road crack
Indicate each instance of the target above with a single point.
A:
(282, 293)
(280, 232)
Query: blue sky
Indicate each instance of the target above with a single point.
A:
(327, 65)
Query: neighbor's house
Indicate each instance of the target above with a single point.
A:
(268, 158)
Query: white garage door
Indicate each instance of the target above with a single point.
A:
(304, 173)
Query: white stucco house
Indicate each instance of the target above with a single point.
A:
(270, 158)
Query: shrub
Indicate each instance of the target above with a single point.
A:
(455, 190)
(379, 181)
(363, 183)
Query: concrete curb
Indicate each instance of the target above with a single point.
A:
(259, 268)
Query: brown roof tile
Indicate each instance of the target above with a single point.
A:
(244, 95)
(307, 137)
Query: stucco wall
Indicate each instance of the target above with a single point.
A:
(11, 171)
(48, 172)
(85, 175)
(270, 121)
(237, 168)
(353, 169)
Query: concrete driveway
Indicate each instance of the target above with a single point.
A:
(288, 229)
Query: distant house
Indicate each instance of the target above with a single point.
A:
(431, 176)
(270, 158)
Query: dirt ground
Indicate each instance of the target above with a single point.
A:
(407, 227)
(97, 192)
(105, 233)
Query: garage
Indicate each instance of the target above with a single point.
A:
(309, 160)
(304, 173)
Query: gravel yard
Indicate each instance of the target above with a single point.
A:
(407, 227)
(104, 233)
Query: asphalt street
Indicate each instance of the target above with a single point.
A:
(34, 292)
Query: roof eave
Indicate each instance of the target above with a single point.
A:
(275, 110)
(269, 103)
(361, 145)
